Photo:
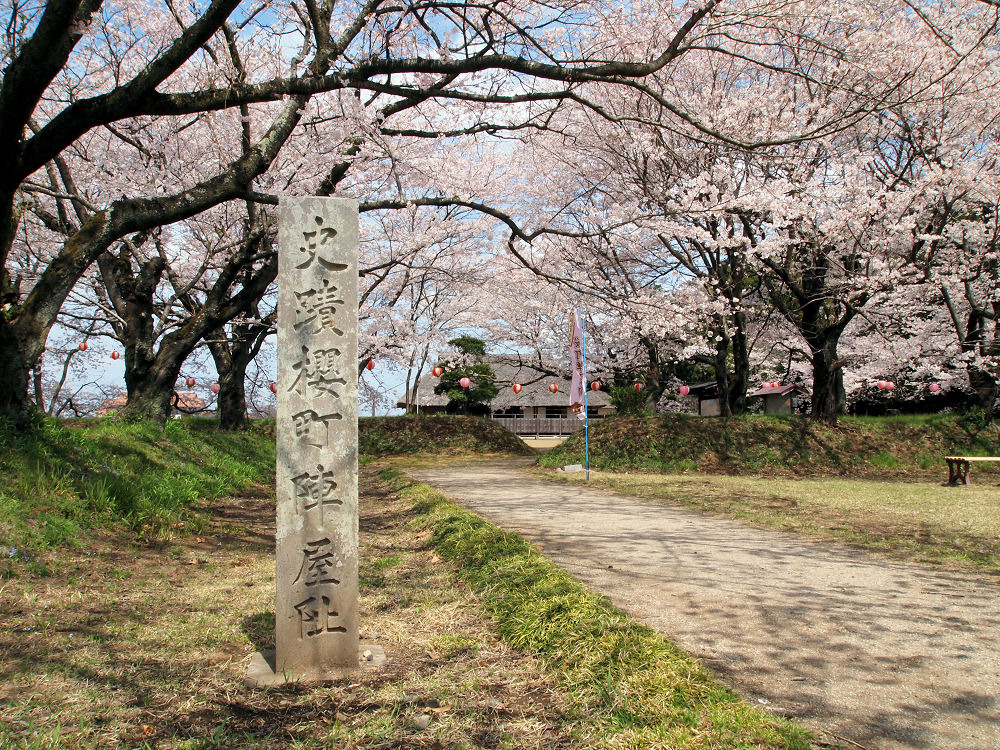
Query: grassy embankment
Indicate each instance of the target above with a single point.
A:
(60, 483)
(139, 635)
(435, 435)
(876, 448)
(874, 483)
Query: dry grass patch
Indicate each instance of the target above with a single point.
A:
(146, 646)
(921, 521)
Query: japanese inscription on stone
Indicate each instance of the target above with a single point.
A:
(317, 532)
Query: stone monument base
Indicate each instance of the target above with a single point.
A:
(262, 674)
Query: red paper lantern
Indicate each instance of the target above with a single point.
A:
(273, 387)
(639, 387)
(115, 355)
(215, 387)
(596, 385)
(83, 346)
(189, 382)
(371, 364)
(437, 372)
(935, 387)
(685, 390)
(554, 387)
(465, 382)
(516, 387)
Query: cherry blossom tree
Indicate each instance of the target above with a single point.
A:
(92, 74)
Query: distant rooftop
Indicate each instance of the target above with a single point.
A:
(507, 371)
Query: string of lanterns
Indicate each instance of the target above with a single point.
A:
(437, 371)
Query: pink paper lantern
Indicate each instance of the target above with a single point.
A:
(215, 387)
(685, 390)
(554, 387)
(935, 387)
(465, 382)
(516, 387)
(889, 385)
(881, 385)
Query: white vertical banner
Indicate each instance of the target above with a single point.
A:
(576, 390)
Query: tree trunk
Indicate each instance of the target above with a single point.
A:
(14, 374)
(232, 402)
(151, 377)
(737, 393)
(828, 396)
(978, 341)
(654, 376)
(720, 362)
(150, 400)
(984, 385)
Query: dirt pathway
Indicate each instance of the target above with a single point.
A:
(888, 655)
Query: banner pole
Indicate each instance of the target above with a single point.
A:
(586, 387)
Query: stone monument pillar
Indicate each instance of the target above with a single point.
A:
(316, 624)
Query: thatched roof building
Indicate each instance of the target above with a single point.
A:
(534, 400)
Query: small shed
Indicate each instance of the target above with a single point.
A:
(707, 393)
(781, 399)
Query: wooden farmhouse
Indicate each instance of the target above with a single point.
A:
(533, 411)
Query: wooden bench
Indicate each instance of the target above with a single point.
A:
(958, 467)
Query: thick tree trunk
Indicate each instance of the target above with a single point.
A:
(828, 397)
(232, 402)
(15, 374)
(979, 341)
(720, 362)
(148, 400)
(984, 385)
(741, 368)
(654, 385)
(731, 384)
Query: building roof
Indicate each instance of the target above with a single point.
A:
(706, 388)
(534, 387)
(779, 391)
(111, 405)
(187, 401)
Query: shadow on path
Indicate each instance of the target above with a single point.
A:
(886, 654)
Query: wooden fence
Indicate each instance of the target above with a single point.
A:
(523, 425)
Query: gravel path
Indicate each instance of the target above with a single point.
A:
(885, 654)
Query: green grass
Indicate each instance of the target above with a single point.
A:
(901, 446)
(922, 521)
(60, 480)
(435, 435)
(635, 688)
